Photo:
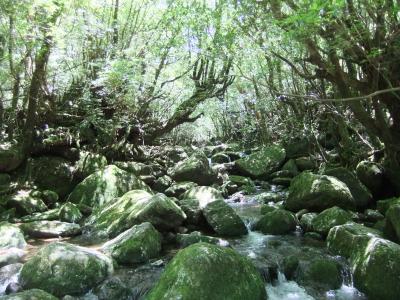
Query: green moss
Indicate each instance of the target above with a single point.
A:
(205, 271)
(278, 221)
(329, 218)
(324, 273)
(69, 212)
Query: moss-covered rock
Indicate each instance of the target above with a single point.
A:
(136, 207)
(262, 163)
(69, 212)
(264, 209)
(162, 184)
(195, 199)
(89, 163)
(215, 276)
(278, 221)
(267, 197)
(49, 215)
(179, 188)
(52, 173)
(362, 196)
(329, 218)
(25, 203)
(61, 269)
(324, 273)
(393, 220)
(220, 158)
(223, 219)
(4, 179)
(50, 197)
(11, 236)
(306, 221)
(305, 163)
(383, 205)
(318, 192)
(33, 294)
(291, 167)
(49, 229)
(371, 174)
(11, 157)
(196, 168)
(136, 245)
(105, 185)
(112, 289)
(137, 168)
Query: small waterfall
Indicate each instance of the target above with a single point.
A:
(284, 289)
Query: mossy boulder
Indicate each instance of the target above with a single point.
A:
(362, 196)
(291, 167)
(383, 205)
(196, 169)
(136, 245)
(195, 199)
(215, 276)
(53, 173)
(69, 212)
(278, 221)
(11, 157)
(50, 229)
(318, 192)
(223, 219)
(61, 269)
(133, 208)
(49, 215)
(306, 221)
(11, 236)
(25, 203)
(261, 163)
(194, 237)
(305, 163)
(372, 175)
(393, 220)
(162, 183)
(324, 273)
(137, 168)
(33, 294)
(50, 197)
(104, 186)
(179, 188)
(329, 218)
(220, 158)
(89, 163)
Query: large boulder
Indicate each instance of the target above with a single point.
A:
(61, 269)
(205, 271)
(89, 163)
(393, 221)
(50, 229)
(329, 218)
(69, 212)
(318, 192)
(195, 199)
(25, 203)
(223, 219)
(278, 221)
(11, 157)
(195, 168)
(136, 245)
(362, 196)
(371, 175)
(52, 173)
(324, 273)
(136, 207)
(262, 163)
(11, 236)
(104, 186)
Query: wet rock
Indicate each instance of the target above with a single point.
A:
(179, 188)
(32, 294)
(329, 218)
(11, 236)
(318, 192)
(195, 199)
(104, 186)
(306, 221)
(50, 215)
(69, 212)
(25, 203)
(136, 207)
(262, 163)
(11, 157)
(196, 168)
(278, 221)
(162, 184)
(185, 240)
(53, 173)
(371, 175)
(136, 245)
(362, 196)
(223, 219)
(314, 236)
(393, 220)
(290, 266)
(89, 163)
(49, 229)
(61, 269)
(324, 273)
(267, 209)
(215, 276)
(267, 197)
(9, 274)
(113, 289)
